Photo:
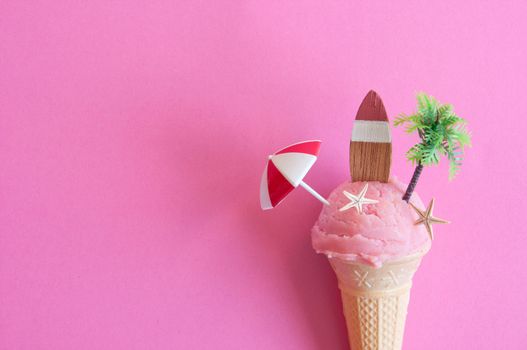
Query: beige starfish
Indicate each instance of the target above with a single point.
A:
(357, 201)
(426, 218)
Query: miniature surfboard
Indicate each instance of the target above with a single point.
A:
(371, 142)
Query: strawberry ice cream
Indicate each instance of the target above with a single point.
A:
(383, 231)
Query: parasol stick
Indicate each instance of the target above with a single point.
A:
(314, 193)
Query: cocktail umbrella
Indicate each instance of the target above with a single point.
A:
(285, 170)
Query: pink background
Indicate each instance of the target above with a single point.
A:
(132, 140)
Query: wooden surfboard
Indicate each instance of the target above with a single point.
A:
(371, 142)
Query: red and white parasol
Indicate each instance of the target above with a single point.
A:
(285, 170)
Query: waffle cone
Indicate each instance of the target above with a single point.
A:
(375, 301)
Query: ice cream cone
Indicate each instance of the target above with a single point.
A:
(375, 300)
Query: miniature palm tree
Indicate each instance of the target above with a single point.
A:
(442, 133)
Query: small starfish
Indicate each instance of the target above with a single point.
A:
(426, 218)
(357, 201)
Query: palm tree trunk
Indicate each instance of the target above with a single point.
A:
(411, 187)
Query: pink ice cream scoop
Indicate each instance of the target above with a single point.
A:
(383, 231)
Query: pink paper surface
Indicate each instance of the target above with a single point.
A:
(132, 140)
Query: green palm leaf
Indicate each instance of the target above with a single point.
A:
(441, 131)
